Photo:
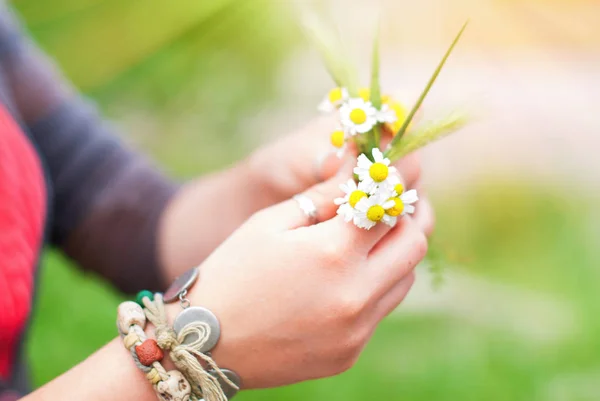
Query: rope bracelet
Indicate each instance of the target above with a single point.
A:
(194, 333)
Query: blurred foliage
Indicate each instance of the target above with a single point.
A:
(173, 73)
(157, 50)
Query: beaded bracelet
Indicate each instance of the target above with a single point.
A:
(168, 386)
(194, 333)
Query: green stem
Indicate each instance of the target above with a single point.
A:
(417, 105)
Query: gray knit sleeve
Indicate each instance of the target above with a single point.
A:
(106, 200)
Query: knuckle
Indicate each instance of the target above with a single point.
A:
(410, 279)
(320, 191)
(415, 172)
(332, 253)
(350, 308)
(411, 168)
(430, 226)
(346, 364)
(420, 245)
(349, 351)
(258, 217)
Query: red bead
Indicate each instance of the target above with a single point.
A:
(149, 352)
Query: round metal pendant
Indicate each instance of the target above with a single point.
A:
(198, 314)
(227, 389)
(181, 283)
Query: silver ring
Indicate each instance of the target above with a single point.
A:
(307, 206)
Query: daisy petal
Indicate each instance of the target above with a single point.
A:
(388, 204)
(390, 220)
(410, 196)
(377, 155)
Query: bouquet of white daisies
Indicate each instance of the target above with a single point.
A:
(379, 129)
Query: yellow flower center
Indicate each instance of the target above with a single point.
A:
(365, 93)
(401, 115)
(358, 116)
(337, 139)
(375, 213)
(397, 209)
(335, 95)
(355, 197)
(399, 188)
(378, 172)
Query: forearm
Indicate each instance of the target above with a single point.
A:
(204, 213)
(108, 375)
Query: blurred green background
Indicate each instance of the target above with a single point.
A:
(196, 84)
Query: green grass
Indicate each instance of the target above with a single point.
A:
(521, 236)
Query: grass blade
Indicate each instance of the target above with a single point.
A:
(324, 45)
(427, 134)
(402, 130)
(375, 92)
(375, 84)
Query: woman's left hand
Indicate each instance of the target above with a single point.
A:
(207, 210)
(297, 161)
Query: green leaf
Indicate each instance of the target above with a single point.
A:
(375, 85)
(411, 115)
(376, 136)
(375, 133)
(427, 134)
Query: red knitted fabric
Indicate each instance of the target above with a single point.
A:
(22, 213)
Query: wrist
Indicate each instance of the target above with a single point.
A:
(174, 321)
(195, 298)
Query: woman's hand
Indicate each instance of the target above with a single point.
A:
(299, 301)
(209, 209)
(295, 301)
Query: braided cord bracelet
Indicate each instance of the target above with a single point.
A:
(194, 334)
(168, 386)
(215, 384)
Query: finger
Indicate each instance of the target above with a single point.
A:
(409, 168)
(396, 255)
(289, 214)
(342, 234)
(328, 166)
(424, 215)
(394, 297)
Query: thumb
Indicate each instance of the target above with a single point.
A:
(289, 214)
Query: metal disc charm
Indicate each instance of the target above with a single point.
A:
(181, 283)
(227, 389)
(198, 314)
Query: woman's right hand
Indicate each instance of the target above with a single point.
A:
(298, 301)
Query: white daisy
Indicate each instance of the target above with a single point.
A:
(338, 140)
(375, 175)
(386, 115)
(333, 100)
(358, 116)
(402, 204)
(351, 197)
(369, 211)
